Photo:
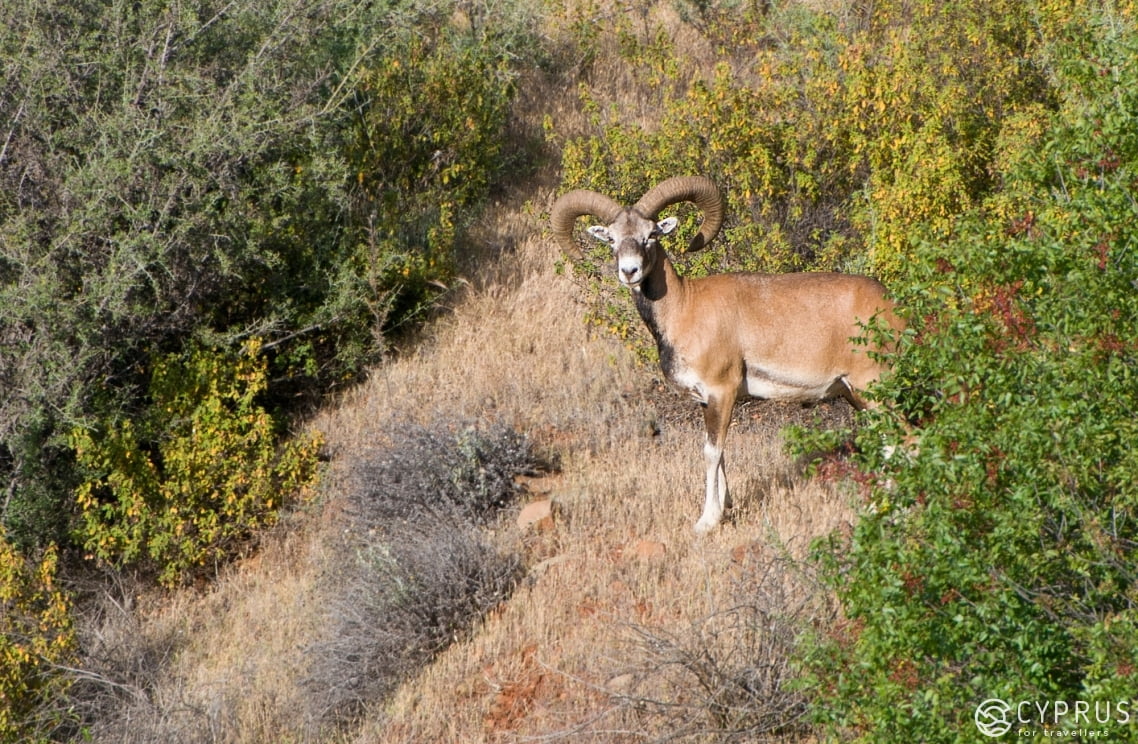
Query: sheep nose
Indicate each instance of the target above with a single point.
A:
(630, 275)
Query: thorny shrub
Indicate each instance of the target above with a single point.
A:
(297, 170)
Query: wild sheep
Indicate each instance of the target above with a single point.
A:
(772, 336)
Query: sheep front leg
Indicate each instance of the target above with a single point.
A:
(717, 418)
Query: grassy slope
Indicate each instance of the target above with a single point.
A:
(543, 664)
(592, 646)
(563, 652)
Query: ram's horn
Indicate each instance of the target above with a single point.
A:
(576, 204)
(700, 191)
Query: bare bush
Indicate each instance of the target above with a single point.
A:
(725, 677)
(445, 471)
(414, 569)
(114, 692)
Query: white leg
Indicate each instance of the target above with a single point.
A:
(724, 494)
(717, 418)
(717, 498)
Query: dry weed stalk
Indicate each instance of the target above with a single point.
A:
(720, 677)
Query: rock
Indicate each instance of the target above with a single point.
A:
(537, 515)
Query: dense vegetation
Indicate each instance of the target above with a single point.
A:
(999, 561)
(983, 158)
(282, 180)
(836, 136)
(209, 217)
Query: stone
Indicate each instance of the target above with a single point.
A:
(536, 515)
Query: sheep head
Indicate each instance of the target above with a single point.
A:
(633, 232)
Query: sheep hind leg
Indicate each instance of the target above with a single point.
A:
(843, 388)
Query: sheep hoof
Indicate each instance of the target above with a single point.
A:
(705, 525)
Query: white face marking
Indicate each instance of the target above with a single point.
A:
(634, 241)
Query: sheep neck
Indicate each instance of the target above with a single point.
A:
(661, 291)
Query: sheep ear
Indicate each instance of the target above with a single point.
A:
(667, 225)
(601, 233)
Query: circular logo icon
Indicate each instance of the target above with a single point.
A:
(992, 717)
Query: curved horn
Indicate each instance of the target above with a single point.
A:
(576, 204)
(700, 191)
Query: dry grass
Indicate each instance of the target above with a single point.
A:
(570, 655)
(206, 667)
(601, 641)
(621, 555)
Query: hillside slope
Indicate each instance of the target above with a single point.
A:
(624, 626)
(623, 619)
(996, 560)
(619, 573)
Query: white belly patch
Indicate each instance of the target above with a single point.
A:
(761, 385)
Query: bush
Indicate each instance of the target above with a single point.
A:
(36, 638)
(167, 175)
(414, 570)
(998, 560)
(215, 475)
(428, 142)
(441, 472)
(176, 180)
(831, 135)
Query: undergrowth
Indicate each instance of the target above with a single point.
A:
(415, 568)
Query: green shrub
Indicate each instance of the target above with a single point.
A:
(296, 170)
(167, 175)
(36, 638)
(180, 488)
(832, 135)
(997, 560)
